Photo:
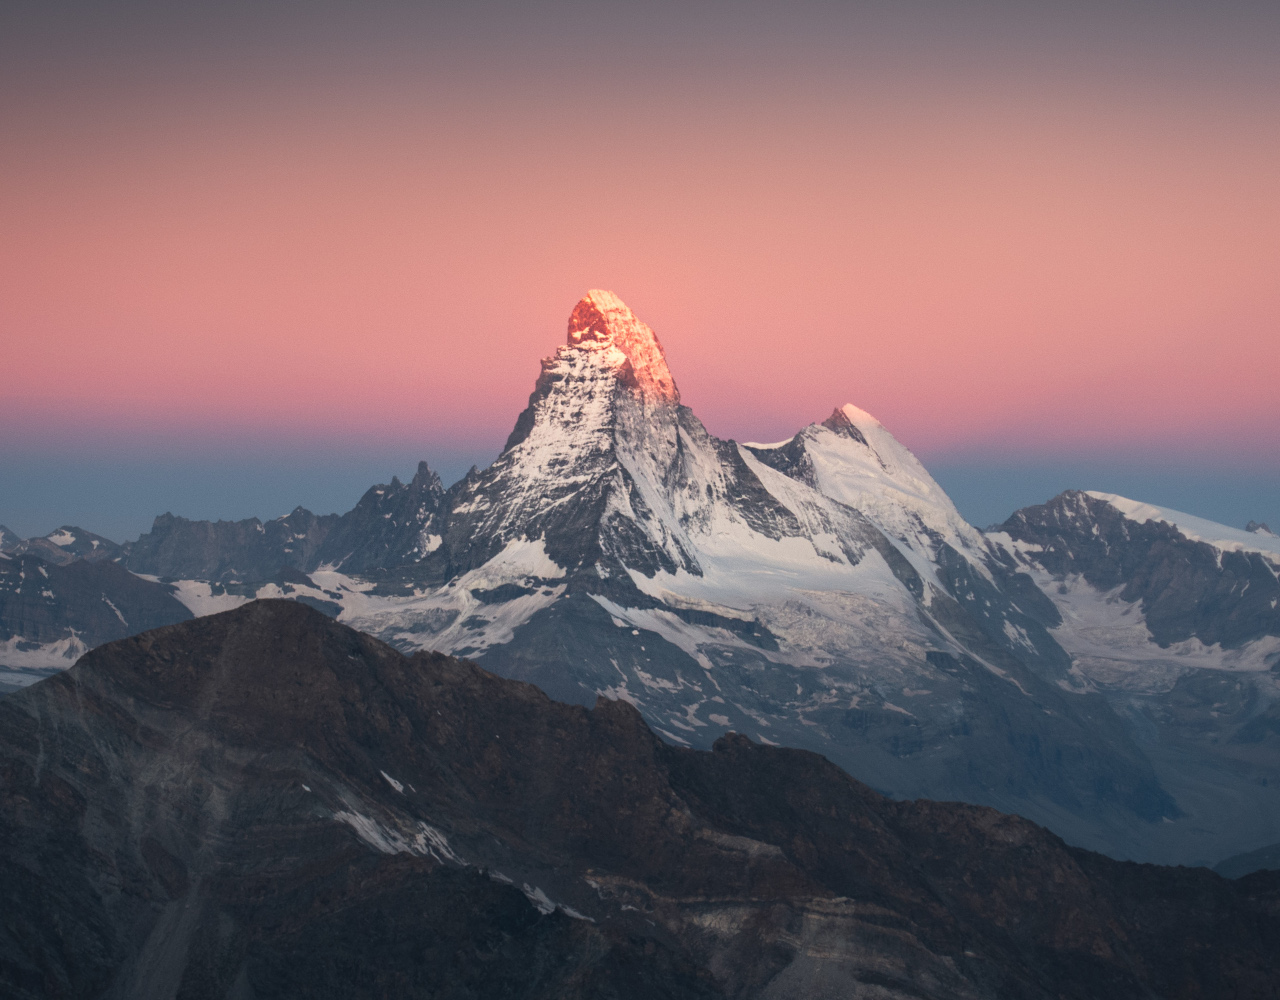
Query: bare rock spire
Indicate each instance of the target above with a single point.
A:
(601, 319)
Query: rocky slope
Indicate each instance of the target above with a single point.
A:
(266, 803)
(391, 526)
(229, 551)
(63, 546)
(1174, 621)
(1197, 582)
(52, 612)
(1263, 859)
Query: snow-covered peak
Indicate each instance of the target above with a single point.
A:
(1198, 529)
(855, 460)
(896, 463)
(602, 320)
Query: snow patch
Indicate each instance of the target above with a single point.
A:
(392, 782)
(200, 600)
(520, 559)
(113, 608)
(619, 692)
(423, 840)
(452, 618)
(539, 899)
(1111, 645)
(545, 905)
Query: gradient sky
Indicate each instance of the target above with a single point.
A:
(262, 254)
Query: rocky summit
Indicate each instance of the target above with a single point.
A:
(1104, 667)
(266, 803)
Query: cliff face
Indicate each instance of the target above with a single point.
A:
(267, 803)
(50, 613)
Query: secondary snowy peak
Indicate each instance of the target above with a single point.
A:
(851, 458)
(601, 321)
(66, 545)
(1197, 529)
(897, 465)
(1194, 579)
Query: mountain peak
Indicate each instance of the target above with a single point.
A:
(844, 420)
(426, 477)
(601, 319)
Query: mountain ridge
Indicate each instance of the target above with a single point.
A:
(821, 592)
(265, 802)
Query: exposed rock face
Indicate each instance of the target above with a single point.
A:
(1173, 620)
(603, 320)
(266, 803)
(229, 551)
(1263, 859)
(1188, 588)
(391, 526)
(67, 544)
(50, 613)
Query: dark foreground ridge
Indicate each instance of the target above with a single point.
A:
(265, 803)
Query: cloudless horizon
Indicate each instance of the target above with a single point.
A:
(118, 496)
(259, 255)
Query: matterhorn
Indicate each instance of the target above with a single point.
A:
(1101, 666)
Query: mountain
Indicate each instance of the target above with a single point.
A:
(52, 612)
(1174, 621)
(228, 552)
(389, 527)
(66, 545)
(1197, 582)
(8, 539)
(1263, 859)
(821, 592)
(392, 526)
(266, 803)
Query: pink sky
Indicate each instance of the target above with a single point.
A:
(1016, 266)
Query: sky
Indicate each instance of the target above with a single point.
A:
(265, 254)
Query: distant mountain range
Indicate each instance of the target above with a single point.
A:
(266, 803)
(1104, 667)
